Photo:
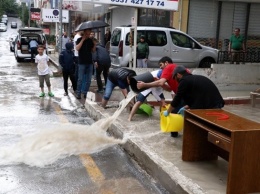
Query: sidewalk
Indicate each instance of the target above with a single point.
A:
(160, 155)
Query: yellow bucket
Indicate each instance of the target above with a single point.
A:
(171, 123)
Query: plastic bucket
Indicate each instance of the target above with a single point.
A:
(171, 123)
(145, 109)
(145, 77)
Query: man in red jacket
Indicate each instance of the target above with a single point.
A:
(168, 67)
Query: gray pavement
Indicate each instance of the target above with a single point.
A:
(159, 154)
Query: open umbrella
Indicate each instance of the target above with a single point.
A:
(91, 25)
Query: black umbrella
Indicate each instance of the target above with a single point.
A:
(91, 25)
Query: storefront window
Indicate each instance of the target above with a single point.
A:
(151, 17)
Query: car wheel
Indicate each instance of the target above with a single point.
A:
(18, 59)
(206, 63)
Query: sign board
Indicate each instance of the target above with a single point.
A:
(35, 9)
(46, 31)
(52, 15)
(72, 5)
(133, 23)
(153, 4)
(35, 16)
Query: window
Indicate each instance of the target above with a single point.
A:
(139, 33)
(181, 40)
(156, 38)
(153, 38)
(153, 17)
(115, 38)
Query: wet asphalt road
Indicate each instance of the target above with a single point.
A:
(107, 172)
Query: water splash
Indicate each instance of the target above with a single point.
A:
(63, 140)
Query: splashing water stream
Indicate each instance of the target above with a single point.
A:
(63, 140)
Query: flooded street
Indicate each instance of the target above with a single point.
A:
(49, 145)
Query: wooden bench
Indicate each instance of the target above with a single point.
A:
(234, 138)
(254, 96)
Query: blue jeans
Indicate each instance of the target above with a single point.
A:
(110, 87)
(84, 71)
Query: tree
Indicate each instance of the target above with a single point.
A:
(8, 7)
(24, 14)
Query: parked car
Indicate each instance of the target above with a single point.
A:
(12, 42)
(183, 49)
(21, 48)
(13, 24)
(4, 20)
(5, 16)
(3, 27)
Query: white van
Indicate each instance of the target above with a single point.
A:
(177, 45)
(21, 48)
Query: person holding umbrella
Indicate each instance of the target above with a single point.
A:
(85, 46)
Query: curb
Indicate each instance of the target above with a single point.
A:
(168, 176)
(57, 66)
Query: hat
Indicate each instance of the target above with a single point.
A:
(178, 69)
(142, 36)
(69, 45)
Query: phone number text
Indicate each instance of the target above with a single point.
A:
(140, 2)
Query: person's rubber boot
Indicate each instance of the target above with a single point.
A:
(174, 134)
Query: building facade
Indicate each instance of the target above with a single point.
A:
(212, 22)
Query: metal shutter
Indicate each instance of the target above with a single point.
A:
(254, 25)
(203, 18)
(239, 21)
(233, 15)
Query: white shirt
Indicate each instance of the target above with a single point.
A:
(64, 41)
(42, 64)
(76, 53)
(156, 91)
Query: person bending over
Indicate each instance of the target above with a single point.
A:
(157, 92)
(117, 77)
(196, 91)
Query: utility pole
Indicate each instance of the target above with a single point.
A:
(29, 22)
(60, 17)
(22, 14)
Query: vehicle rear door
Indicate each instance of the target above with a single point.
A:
(114, 45)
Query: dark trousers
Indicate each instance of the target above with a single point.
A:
(34, 52)
(66, 76)
(101, 68)
(175, 111)
(237, 56)
(76, 69)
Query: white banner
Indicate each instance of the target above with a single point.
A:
(153, 4)
(52, 15)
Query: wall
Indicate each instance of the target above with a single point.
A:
(121, 16)
(180, 17)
